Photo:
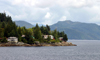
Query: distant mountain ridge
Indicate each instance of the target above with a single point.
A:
(23, 23)
(78, 30)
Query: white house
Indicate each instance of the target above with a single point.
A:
(51, 36)
(23, 35)
(46, 36)
(12, 39)
(60, 38)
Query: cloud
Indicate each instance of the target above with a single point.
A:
(75, 3)
(47, 15)
(96, 19)
(26, 3)
(45, 3)
(50, 11)
(63, 18)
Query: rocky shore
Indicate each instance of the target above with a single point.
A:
(42, 44)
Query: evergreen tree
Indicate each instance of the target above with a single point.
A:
(3, 25)
(55, 34)
(36, 26)
(37, 34)
(19, 31)
(48, 38)
(65, 38)
(1, 33)
(12, 33)
(62, 34)
(28, 35)
(23, 29)
(42, 28)
(8, 18)
(48, 28)
(24, 40)
(31, 41)
(19, 39)
(46, 32)
(4, 40)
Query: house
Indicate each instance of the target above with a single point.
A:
(60, 38)
(51, 36)
(23, 35)
(46, 36)
(12, 39)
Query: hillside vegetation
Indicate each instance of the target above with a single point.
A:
(8, 28)
(78, 30)
(23, 23)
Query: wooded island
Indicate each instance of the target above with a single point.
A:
(13, 35)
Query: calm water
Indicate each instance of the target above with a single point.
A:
(86, 50)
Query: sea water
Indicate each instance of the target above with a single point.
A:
(85, 50)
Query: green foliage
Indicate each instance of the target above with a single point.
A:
(65, 37)
(28, 34)
(19, 31)
(78, 30)
(55, 34)
(4, 18)
(30, 30)
(24, 40)
(1, 32)
(8, 28)
(52, 41)
(23, 30)
(48, 28)
(31, 41)
(45, 30)
(3, 25)
(62, 34)
(42, 28)
(37, 33)
(48, 38)
(19, 39)
(4, 40)
(36, 26)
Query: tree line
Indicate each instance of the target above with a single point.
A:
(8, 28)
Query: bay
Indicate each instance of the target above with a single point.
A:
(85, 50)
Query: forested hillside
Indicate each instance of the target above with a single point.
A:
(23, 23)
(78, 30)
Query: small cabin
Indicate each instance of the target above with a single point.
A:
(46, 36)
(12, 39)
(23, 35)
(60, 38)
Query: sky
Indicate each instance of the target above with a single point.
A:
(51, 11)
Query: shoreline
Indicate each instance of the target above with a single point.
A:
(38, 45)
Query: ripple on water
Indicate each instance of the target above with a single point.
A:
(86, 50)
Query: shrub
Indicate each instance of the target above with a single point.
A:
(4, 40)
(52, 41)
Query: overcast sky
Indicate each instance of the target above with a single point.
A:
(52, 11)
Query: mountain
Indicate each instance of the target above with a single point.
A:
(78, 30)
(24, 23)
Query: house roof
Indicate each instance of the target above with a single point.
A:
(12, 37)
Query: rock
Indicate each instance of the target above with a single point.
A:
(20, 43)
(37, 42)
